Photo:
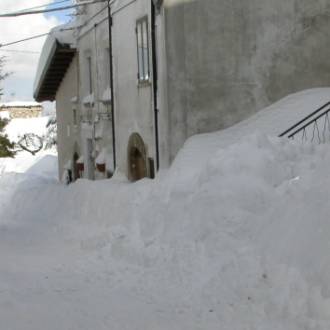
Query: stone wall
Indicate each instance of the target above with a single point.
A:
(23, 111)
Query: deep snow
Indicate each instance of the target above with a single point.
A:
(237, 240)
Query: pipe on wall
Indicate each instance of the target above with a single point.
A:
(111, 88)
(155, 79)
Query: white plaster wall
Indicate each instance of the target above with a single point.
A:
(134, 110)
(133, 102)
(93, 41)
(68, 135)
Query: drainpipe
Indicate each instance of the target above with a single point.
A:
(111, 87)
(155, 78)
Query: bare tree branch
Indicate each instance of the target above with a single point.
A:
(3, 75)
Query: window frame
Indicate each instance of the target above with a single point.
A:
(143, 62)
(75, 117)
(107, 72)
(90, 74)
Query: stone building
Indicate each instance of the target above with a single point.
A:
(132, 86)
(21, 109)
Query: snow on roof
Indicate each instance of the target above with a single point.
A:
(62, 35)
(17, 104)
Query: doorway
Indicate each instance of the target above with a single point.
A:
(137, 164)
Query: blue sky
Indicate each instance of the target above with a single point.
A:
(63, 16)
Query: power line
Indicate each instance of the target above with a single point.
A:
(64, 29)
(21, 13)
(26, 39)
(44, 5)
(19, 51)
(60, 30)
(35, 37)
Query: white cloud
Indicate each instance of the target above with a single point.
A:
(22, 65)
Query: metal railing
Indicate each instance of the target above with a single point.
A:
(313, 128)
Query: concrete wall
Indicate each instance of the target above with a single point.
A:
(228, 59)
(68, 134)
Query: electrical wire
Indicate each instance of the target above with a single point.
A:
(16, 14)
(35, 37)
(45, 34)
(64, 29)
(26, 39)
(44, 5)
(18, 51)
(90, 19)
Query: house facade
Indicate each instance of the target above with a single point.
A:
(144, 75)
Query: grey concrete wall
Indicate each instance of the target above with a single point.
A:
(228, 59)
(68, 135)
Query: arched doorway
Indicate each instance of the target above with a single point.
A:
(76, 169)
(136, 157)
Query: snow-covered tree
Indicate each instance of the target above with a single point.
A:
(50, 138)
(31, 143)
(6, 147)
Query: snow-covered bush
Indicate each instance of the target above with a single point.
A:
(50, 139)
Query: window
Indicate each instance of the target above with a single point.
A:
(142, 39)
(74, 117)
(107, 67)
(89, 72)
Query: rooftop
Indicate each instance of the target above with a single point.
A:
(55, 58)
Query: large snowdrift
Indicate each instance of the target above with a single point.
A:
(236, 241)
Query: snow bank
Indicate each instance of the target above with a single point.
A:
(235, 241)
(272, 120)
(233, 252)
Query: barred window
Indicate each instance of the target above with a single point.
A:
(142, 39)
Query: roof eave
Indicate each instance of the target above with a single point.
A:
(53, 64)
